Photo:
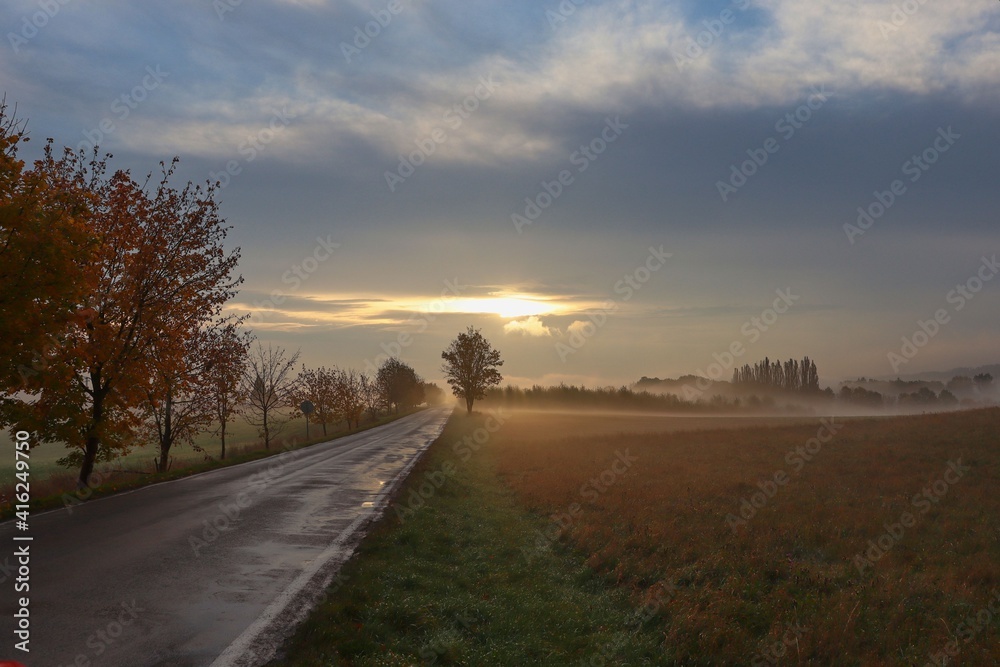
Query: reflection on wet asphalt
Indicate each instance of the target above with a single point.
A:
(176, 573)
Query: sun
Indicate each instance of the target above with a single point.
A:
(507, 307)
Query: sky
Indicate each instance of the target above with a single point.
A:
(608, 190)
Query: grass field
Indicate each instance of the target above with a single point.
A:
(44, 456)
(630, 540)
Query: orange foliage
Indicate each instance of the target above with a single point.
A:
(105, 288)
(45, 268)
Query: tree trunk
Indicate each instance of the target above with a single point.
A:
(223, 456)
(468, 403)
(89, 456)
(93, 441)
(267, 433)
(166, 436)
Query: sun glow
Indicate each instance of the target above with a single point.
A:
(342, 310)
(508, 307)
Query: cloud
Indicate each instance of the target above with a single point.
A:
(530, 326)
(578, 327)
(640, 54)
(523, 102)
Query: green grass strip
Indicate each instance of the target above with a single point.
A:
(448, 584)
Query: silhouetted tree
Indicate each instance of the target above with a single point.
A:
(400, 384)
(923, 396)
(792, 375)
(947, 398)
(228, 348)
(350, 396)
(471, 366)
(433, 394)
(268, 383)
(371, 396)
(319, 387)
(861, 396)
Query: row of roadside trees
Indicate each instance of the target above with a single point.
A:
(113, 332)
(111, 302)
(325, 396)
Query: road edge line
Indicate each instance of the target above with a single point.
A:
(248, 644)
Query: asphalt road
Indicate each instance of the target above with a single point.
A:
(208, 571)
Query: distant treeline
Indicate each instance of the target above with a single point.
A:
(792, 375)
(570, 395)
(625, 398)
(960, 385)
(919, 393)
(775, 391)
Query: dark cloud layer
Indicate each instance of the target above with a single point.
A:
(314, 114)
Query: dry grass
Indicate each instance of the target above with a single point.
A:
(125, 474)
(739, 590)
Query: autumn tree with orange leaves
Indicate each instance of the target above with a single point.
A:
(350, 397)
(162, 276)
(319, 387)
(228, 349)
(45, 264)
(183, 399)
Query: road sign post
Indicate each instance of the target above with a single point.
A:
(307, 408)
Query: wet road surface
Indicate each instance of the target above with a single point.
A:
(212, 570)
